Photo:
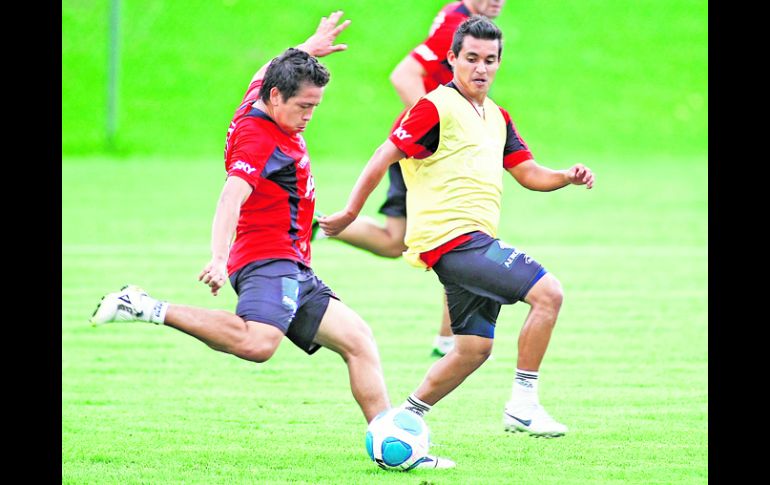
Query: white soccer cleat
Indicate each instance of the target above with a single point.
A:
(442, 345)
(435, 462)
(120, 306)
(532, 419)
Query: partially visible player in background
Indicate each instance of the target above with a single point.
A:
(420, 72)
(267, 203)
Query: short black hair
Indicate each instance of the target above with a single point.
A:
(478, 27)
(288, 71)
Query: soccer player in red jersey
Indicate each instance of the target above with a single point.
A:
(420, 72)
(454, 146)
(267, 203)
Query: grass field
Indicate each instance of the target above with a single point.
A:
(599, 76)
(626, 369)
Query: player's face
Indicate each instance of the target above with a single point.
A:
(475, 66)
(492, 8)
(293, 115)
(488, 8)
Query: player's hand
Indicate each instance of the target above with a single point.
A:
(214, 275)
(322, 42)
(336, 223)
(579, 174)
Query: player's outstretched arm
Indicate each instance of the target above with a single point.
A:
(533, 176)
(321, 43)
(385, 155)
(234, 194)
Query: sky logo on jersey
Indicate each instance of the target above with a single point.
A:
(401, 133)
(241, 165)
(310, 189)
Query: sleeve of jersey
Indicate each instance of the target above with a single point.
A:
(250, 153)
(516, 149)
(432, 52)
(253, 91)
(416, 135)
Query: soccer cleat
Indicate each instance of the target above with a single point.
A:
(435, 462)
(121, 306)
(436, 352)
(532, 419)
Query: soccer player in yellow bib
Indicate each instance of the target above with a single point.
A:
(453, 146)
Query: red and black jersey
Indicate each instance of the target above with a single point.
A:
(423, 126)
(431, 54)
(275, 221)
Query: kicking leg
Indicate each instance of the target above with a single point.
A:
(344, 332)
(220, 330)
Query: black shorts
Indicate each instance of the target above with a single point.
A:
(284, 294)
(479, 276)
(395, 203)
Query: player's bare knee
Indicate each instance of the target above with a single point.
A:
(255, 351)
(359, 343)
(548, 294)
(394, 250)
(478, 353)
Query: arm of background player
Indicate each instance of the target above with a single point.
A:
(234, 194)
(385, 155)
(407, 79)
(321, 43)
(543, 179)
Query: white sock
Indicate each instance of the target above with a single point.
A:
(444, 344)
(525, 387)
(412, 403)
(154, 311)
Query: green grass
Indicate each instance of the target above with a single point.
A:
(626, 369)
(580, 77)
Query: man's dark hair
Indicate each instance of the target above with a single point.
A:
(478, 27)
(288, 71)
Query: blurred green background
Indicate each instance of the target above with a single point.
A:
(580, 77)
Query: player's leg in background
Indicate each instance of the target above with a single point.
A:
(444, 341)
(366, 233)
(387, 240)
(346, 333)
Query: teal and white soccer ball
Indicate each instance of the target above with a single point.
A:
(397, 439)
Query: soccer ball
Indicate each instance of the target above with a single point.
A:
(397, 439)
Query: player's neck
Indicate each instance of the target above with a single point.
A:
(264, 108)
(477, 102)
(269, 111)
(469, 6)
